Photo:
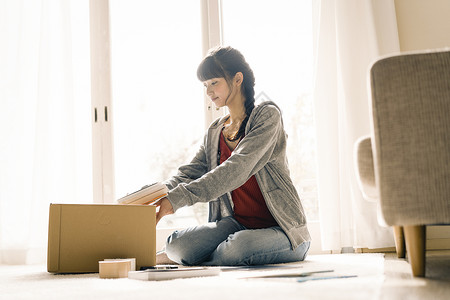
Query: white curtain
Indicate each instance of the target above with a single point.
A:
(349, 36)
(42, 151)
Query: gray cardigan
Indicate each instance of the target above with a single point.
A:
(262, 152)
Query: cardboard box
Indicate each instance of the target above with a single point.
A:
(81, 235)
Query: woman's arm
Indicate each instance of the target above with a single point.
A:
(191, 171)
(251, 154)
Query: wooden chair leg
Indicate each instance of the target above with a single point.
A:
(415, 246)
(399, 241)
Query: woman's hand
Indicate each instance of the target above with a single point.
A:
(165, 208)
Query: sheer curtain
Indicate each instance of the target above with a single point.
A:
(349, 36)
(44, 140)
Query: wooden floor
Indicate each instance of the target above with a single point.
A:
(399, 284)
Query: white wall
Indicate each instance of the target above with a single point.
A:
(423, 24)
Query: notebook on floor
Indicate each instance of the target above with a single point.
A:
(81, 235)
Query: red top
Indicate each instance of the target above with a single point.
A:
(250, 208)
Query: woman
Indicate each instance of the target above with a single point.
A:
(255, 213)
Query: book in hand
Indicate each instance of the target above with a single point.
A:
(167, 274)
(146, 195)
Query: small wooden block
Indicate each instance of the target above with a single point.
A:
(132, 261)
(114, 268)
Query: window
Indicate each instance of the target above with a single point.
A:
(276, 40)
(158, 102)
(157, 99)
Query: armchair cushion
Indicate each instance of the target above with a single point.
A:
(411, 123)
(365, 169)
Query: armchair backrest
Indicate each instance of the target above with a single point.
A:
(411, 131)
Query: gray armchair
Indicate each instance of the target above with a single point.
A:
(405, 164)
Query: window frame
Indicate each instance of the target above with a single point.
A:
(212, 36)
(101, 103)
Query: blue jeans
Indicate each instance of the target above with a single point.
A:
(228, 243)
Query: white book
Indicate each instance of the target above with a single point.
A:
(146, 195)
(167, 274)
